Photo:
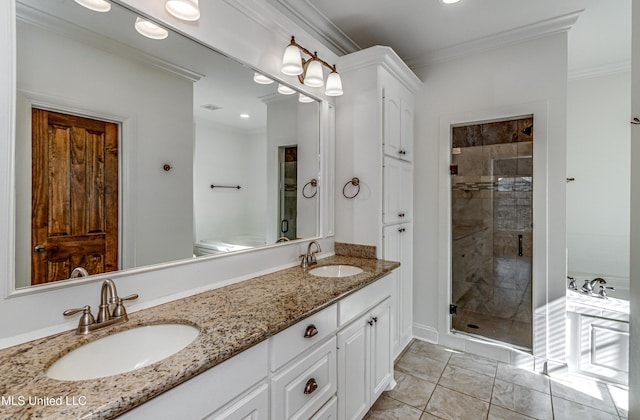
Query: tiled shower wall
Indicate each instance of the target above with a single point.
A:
(491, 195)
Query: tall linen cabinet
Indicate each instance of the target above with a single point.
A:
(374, 143)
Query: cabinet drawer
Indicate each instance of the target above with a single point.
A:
(252, 406)
(363, 300)
(328, 412)
(291, 342)
(293, 395)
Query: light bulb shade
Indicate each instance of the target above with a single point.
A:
(304, 99)
(291, 61)
(314, 76)
(95, 5)
(183, 9)
(334, 85)
(285, 90)
(261, 79)
(150, 29)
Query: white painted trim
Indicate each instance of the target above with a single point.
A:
(425, 333)
(540, 287)
(517, 35)
(599, 71)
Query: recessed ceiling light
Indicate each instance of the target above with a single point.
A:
(245, 116)
(95, 5)
(150, 29)
(184, 9)
(449, 1)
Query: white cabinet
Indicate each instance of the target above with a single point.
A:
(397, 197)
(364, 361)
(254, 405)
(398, 125)
(397, 246)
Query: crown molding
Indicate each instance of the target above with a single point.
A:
(381, 56)
(601, 70)
(58, 26)
(513, 36)
(317, 24)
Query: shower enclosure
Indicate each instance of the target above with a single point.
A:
(288, 194)
(491, 230)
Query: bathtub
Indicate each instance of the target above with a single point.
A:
(598, 334)
(227, 244)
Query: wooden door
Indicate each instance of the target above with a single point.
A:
(74, 196)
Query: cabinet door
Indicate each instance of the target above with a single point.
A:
(392, 128)
(353, 369)
(604, 348)
(381, 360)
(253, 406)
(397, 202)
(406, 130)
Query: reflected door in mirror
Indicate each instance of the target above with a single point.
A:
(74, 196)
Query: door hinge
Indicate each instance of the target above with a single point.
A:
(453, 309)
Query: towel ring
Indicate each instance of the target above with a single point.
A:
(356, 183)
(313, 183)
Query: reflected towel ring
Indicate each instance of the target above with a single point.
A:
(356, 183)
(313, 183)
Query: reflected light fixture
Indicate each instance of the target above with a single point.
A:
(244, 115)
(285, 90)
(449, 1)
(150, 29)
(261, 79)
(183, 9)
(304, 99)
(95, 5)
(309, 71)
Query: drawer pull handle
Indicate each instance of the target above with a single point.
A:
(311, 386)
(311, 331)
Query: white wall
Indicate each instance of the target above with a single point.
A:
(229, 156)
(513, 76)
(265, 33)
(125, 91)
(598, 141)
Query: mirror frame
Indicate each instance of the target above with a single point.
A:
(325, 147)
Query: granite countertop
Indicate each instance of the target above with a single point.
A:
(231, 319)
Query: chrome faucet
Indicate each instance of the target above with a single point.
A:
(589, 285)
(310, 257)
(79, 272)
(106, 315)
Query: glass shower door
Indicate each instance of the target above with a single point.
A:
(491, 236)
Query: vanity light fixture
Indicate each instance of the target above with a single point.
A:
(95, 5)
(261, 79)
(183, 9)
(304, 99)
(285, 90)
(150, 29)
(309, 71)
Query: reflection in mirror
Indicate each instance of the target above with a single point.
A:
(125, 144)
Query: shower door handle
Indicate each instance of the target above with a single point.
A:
(284, 226)
(519, 245)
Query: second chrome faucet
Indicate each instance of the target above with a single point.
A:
(111, 310)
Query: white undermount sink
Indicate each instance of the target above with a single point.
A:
(335, 271)
(123, 352)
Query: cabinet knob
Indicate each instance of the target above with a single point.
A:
(400, 214)
(375, 319)
(401, 230)
(311, 386)
(310, 331)
(370, 322)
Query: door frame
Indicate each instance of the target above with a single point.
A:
(548, 297)
(25, 101)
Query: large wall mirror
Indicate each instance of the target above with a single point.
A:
(132, 151)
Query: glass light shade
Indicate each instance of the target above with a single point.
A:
(95, 5)
(261, 79)
(150, 29)
(304, 99)
(291, 61)
(183, 9)
(314, 76)
(334, 85)
(285, 90)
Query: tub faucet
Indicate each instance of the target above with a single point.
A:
(79, 272)
(310, 257)
(589, 285)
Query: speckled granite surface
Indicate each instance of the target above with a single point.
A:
(355, 250)
(231, 319)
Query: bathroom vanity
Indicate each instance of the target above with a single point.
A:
(285, 345)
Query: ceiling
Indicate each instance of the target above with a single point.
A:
(425, 31)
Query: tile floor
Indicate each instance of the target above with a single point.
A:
(437, 383)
